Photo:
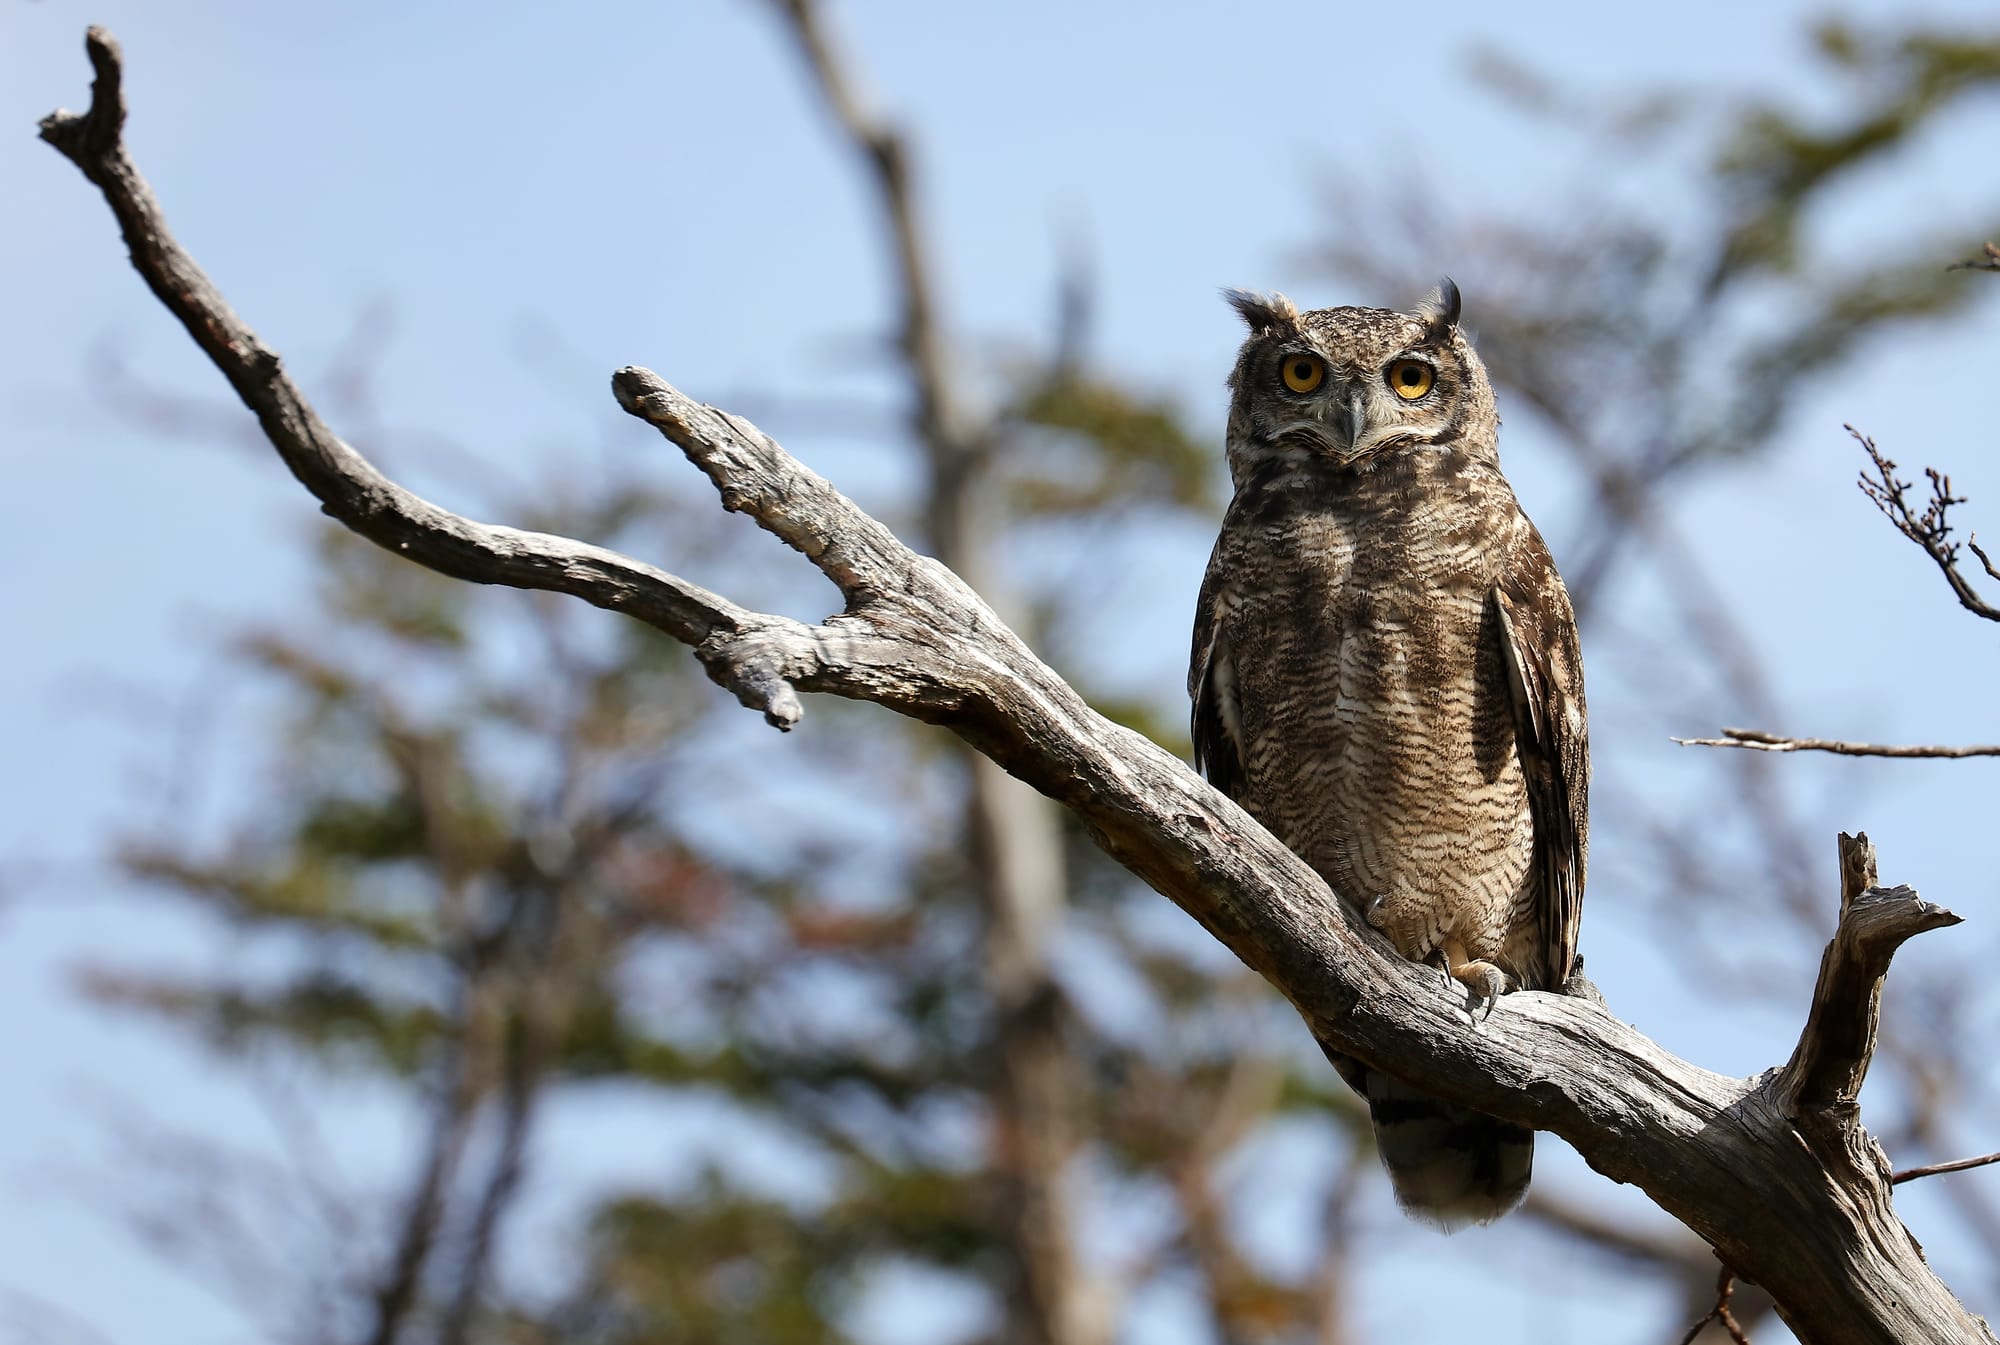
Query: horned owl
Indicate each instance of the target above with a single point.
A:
(1385, 674)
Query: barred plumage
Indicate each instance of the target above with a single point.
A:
(1385, 673)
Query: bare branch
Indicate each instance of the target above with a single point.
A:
(1752, 1166)
(1725, 1286)
(1938, 1169)
(1929, 527)
(1760, 741)
(1987, 260)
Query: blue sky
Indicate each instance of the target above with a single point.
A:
(607, 184)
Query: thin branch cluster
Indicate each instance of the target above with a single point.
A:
(1929, 526)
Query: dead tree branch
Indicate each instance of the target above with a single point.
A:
(1725, 1287)
(1774, 1172)
(1939, 1169)
(1759, 741)
(1987, 260)
(1930, 526)
(1822, 1082)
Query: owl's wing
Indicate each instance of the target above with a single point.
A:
(1545, 681)
(1213, 724)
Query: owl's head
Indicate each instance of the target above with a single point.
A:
(1354, 386)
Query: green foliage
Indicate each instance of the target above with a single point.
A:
(715, 1269)
(1105, 448)
(1779, 164)
(1673, 333)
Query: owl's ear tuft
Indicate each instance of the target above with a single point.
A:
(1440, 312)
(1263, 312)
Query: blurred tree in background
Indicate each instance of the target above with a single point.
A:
(497, 867)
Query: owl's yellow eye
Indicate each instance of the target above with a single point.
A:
(1303, 373)
(1410, 379)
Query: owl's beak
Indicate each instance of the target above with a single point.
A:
(1348, 421)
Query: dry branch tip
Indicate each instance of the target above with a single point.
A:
(1929, 527)
(1938, 1169)
(92, 133)
(1757, 740)
(1988, 260)
(1824, 1076)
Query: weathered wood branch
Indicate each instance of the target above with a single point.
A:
(1766, 1170)
(1824, 1076)
(1757, 740)
(1940, 1169)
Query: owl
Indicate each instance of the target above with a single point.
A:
(1385, 674)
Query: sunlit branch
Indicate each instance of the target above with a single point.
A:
(1759, 741)
(1937, 1169)
(1930, 526)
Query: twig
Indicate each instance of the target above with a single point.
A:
(1929, 528)
(1725, 1285)
(1988, 260)
(1935, 1169)
(1760, 741)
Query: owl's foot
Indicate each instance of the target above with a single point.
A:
(1484, 983)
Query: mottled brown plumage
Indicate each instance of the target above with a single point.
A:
(1385, 673)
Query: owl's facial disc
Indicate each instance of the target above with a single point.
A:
(1351, 414)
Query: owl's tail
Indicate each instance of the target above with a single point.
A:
(1450, 1166)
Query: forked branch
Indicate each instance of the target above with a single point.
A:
(1723, 1155)
(1827, 1067)
(1721, 1314)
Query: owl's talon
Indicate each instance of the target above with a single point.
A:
(1483, 989)
(1484, 983)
